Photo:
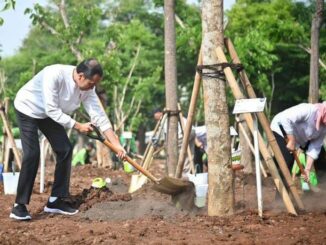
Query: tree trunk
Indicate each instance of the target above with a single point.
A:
(314, 57)
(171, 85)
(221, 189)
(141, 139)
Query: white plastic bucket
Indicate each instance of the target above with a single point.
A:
(201, 193)
(10, 182)
(201, 190)
(201, 185)
(198, 179)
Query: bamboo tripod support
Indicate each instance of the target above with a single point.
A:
(263, 148)
(150, 149)
(182, 124)
(265, 124)
(10, 138)
(249, 120)
(191, 114)
(250, 145)
(4, 140)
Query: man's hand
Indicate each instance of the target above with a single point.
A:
(306, 176)
(110, 135)
(83, 127)
(121, 152)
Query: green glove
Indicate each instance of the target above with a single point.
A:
(80, 157)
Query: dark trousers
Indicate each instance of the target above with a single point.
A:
(60, 144)
(289, 159)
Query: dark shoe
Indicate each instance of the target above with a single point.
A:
(20, 213)
(59, 206)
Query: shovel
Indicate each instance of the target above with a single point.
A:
(300, 165)
(138, 180)
(182, 191)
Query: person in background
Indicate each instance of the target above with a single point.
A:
(158, 114)
(45, 103)
(200, 156)
(128, 141)
(83, 156)
(305, 127)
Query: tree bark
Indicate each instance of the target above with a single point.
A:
(314, 57)
(220, 175)
(171, 85)
(141, 139)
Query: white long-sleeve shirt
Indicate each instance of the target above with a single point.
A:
(53, 93)
(300, 121)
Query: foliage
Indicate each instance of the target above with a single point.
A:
(267, 36)
(8, 4)
(113, 43)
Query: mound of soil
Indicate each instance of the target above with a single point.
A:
(113, 216)
(91, 196)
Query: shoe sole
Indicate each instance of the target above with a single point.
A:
(58, 211)
(13, 216)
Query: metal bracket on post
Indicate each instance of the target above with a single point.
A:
(253, 106)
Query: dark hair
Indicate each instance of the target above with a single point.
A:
(90, 67)
(156, 110)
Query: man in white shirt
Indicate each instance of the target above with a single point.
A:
(45, 103)
(305, 127)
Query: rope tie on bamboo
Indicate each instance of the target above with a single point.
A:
(217, 70)
(172, 112)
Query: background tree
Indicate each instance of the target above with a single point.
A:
(316, 23)
(268, 49)
(171, 97)
(273, 48)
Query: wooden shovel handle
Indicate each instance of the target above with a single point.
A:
(296, 158)
(294, 152)
(132, 162)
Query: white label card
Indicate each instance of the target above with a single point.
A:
(249, 105)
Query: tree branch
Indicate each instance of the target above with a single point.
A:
(64, 17)
(62, 8)
(115, 99)
(79, 38)
(129, 77)
(179, 21)
(308, 50)
(49, 28)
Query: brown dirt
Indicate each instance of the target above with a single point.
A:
(112, 216)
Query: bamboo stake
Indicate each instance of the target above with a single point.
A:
(266, 126)
(250, 145)
(4, 139)
(191, 160)
(191, 113)
(263, 149)
(159, 125)
(10, 136)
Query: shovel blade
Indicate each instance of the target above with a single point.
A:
(171, 186)
(136, 182)
(182, 191)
